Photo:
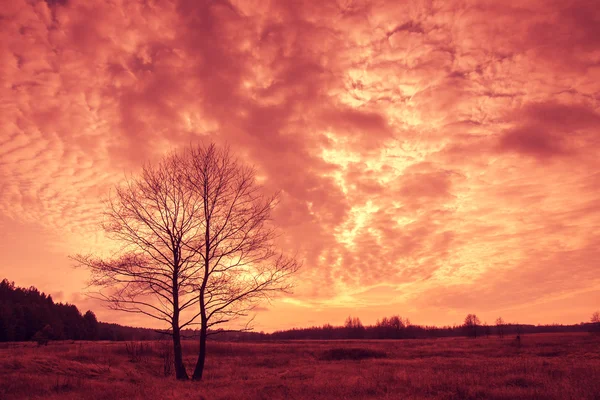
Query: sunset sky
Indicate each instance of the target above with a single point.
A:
(435, 158)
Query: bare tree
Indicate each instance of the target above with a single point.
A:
(240, 264)
(500, 326)
(393, 327)
(195, 231)
(471, 324)
(595, 320)
(156, 219)
(354, 328)
(354, 323)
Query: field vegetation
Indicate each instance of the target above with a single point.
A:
(540, 366)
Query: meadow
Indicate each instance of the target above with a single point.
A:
(541, 366)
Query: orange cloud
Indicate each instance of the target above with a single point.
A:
(433, 159)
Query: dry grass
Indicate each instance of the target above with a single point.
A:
(551, 366)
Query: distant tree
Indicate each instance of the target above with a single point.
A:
(392, 328)
(500, 326)
(43, 336)
(351, 323)
(396, 323)
(471, 324)
(595, 320)
(327, 332)
(486, 329)
(91, 325)
(354, 328)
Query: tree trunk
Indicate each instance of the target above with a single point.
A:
(201, 354)
(180, 372)
(203, 317)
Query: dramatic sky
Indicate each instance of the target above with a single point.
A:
(435, 158)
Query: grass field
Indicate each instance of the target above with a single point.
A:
(545, 366)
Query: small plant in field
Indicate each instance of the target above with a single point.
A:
(14, 364)
(40, 340)
(64, 384)
(165, 351)
(137, 351)
(105, 360)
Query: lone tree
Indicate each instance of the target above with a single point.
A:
(239, 261)
(195, 231)
(471, 324)
(155, 219)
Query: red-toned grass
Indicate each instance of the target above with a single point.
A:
(545, 366)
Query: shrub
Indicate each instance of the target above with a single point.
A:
(351, 354)
(43, 336)
(165, 350)
(137, 351)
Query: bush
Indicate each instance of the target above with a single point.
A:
(351, 354)
(43, 336)
(165, 350)
(137, 351)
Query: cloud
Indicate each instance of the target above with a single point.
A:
(532, 141)
(424, 148)
(546, 130)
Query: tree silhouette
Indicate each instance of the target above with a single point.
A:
(354, 328)
(500, 326)
(471, 324)
(91, 325)
(595, 320)
(195, 232)
(394, 327)
(155, 217)
(28, 314)
(239, 263)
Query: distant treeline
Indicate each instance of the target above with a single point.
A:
(28, 314)
(396, 327)
(25, 312)
(328, 332)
